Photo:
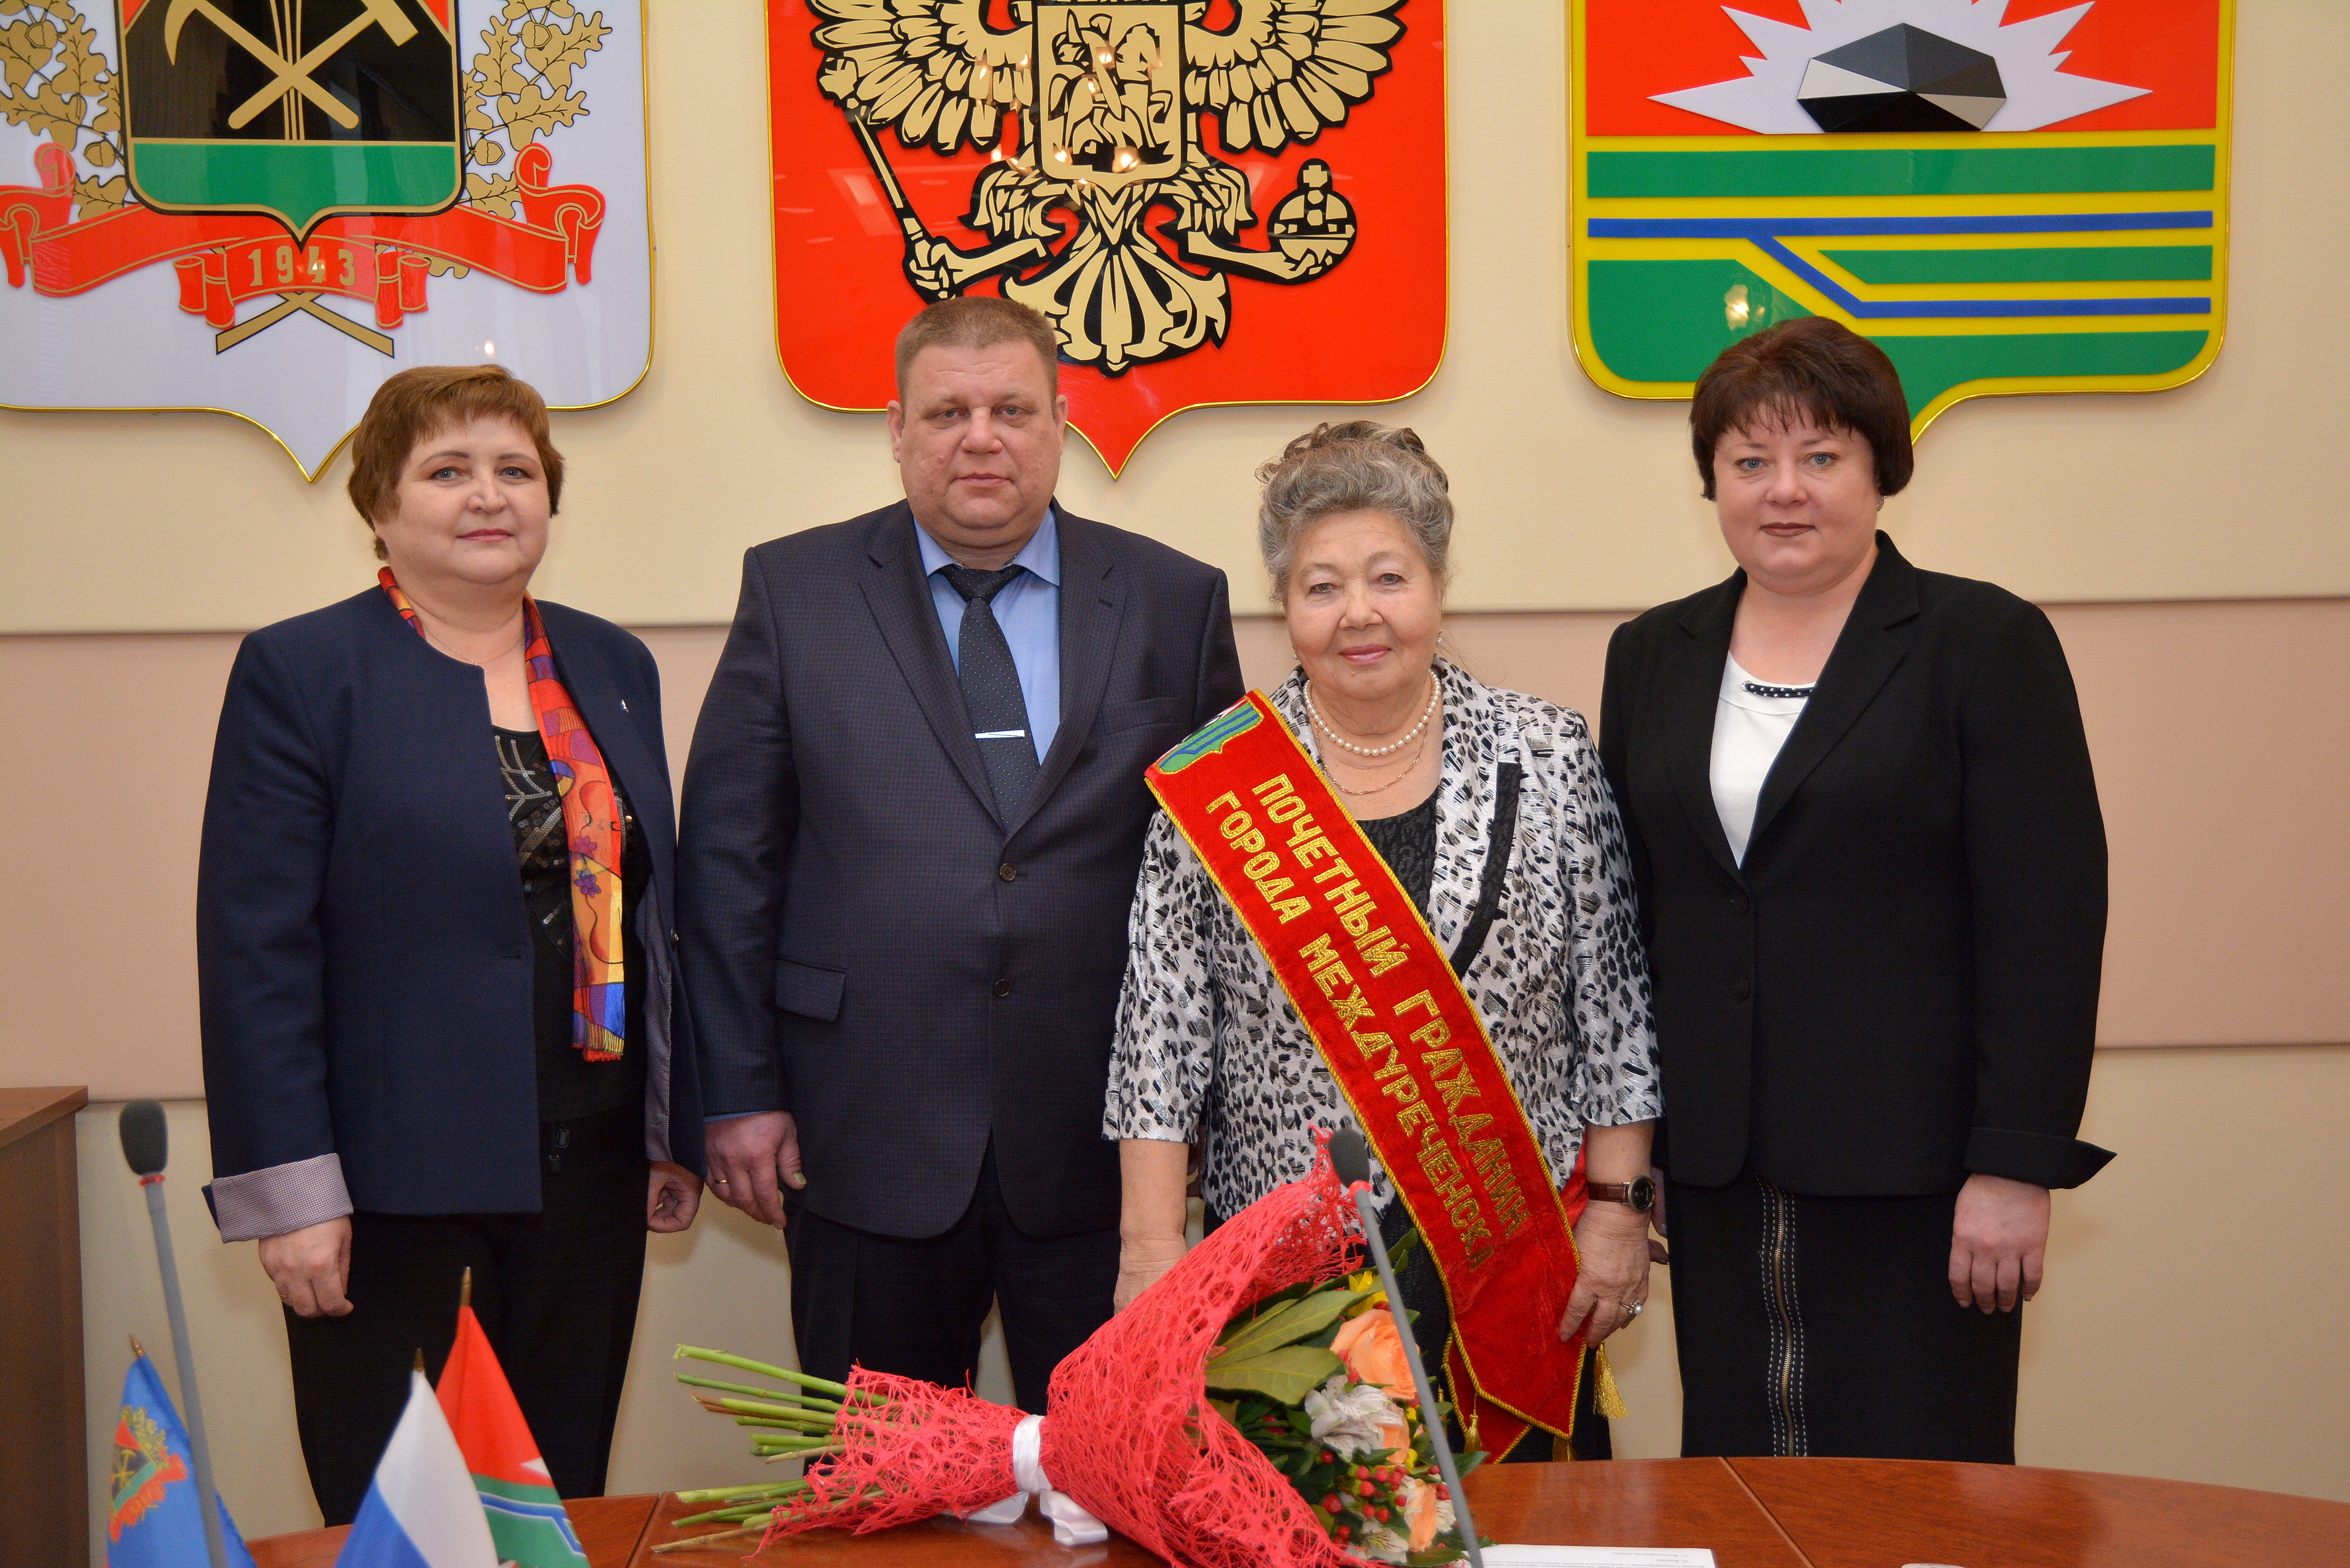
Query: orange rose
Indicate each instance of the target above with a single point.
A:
(1373, 1351)
(1419, 1507)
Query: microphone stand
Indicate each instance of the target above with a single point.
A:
(207, 1497)
(1350, 1157)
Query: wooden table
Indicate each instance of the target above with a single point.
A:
(1754, 1513)
(44, 1497)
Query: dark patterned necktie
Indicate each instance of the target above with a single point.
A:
(991, 688)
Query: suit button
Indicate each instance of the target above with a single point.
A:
(1743, 991)
(1003, 988)
(1741, 902)
(1008, 871)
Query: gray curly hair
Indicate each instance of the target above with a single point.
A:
(1357, 466)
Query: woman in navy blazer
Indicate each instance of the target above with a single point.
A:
(1867, 835)
(412, 1068)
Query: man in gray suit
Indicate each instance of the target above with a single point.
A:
(912, 819)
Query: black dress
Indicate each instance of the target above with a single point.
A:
(1892, 988)
(556, 1291)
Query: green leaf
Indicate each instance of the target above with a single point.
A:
(1264, 1305)
(1288, 1372)
(1228, 1409)
(1401, 1253)
(1289, 1324)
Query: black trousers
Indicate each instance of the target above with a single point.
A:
(555, 1292)
(917, 1308)
(1825, 1326)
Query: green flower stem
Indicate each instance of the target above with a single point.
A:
(820, 1419)
(725, 1515)
(743, 1364)
(742, 1493)
(779, 1416)
(691, 1542)
(810, 1401)
(775, 1457)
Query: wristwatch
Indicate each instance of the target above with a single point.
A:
(1638, 1195)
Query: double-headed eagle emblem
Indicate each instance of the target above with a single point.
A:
(1091, 115)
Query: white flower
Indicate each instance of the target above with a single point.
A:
(1380, 1544)
(1348, 1420)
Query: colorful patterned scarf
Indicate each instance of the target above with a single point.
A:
(591, 822)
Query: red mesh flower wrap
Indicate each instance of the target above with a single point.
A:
(1128, 1432)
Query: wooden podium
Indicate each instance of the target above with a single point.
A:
(43, 1496)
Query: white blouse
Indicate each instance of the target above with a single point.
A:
(1748, 731)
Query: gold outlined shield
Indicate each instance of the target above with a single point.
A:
(298, 108)
(2069, 235)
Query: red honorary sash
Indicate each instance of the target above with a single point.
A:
(1407, 1049)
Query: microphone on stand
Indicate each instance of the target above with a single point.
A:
(1350, 1157)
(146, 1146)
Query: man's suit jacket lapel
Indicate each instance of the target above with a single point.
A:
(1689, 688)
(1093, 603)
(899, 599)
(1874, 640)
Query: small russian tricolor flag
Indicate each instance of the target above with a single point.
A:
(421, 1510)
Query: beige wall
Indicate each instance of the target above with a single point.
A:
(1574, 499)
(2221, 751)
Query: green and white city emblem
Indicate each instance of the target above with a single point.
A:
(2006, 197)
(298, 108)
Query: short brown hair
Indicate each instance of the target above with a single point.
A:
(1810, 368)
(426, 401)
(1359, 466)
(979, 321)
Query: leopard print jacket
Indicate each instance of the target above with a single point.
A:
(1208, 1050)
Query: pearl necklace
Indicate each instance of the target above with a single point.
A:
(1409, 735)
(1408, 768)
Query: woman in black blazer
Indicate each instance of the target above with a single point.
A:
(1873, 868)
(433, 942)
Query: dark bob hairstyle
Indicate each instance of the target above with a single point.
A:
(1810, 369)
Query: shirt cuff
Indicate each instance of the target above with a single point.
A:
(2037, 1157)
(282, 1198)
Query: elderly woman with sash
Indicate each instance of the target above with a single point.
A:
(1395, 897)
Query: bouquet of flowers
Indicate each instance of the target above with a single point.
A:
(1252, 1408)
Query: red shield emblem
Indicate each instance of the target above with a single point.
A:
(1213, 204)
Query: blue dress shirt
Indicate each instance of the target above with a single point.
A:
(1028, 608)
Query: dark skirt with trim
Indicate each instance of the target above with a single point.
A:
(1825, 1326)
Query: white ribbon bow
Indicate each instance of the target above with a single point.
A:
(1072, 1525)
